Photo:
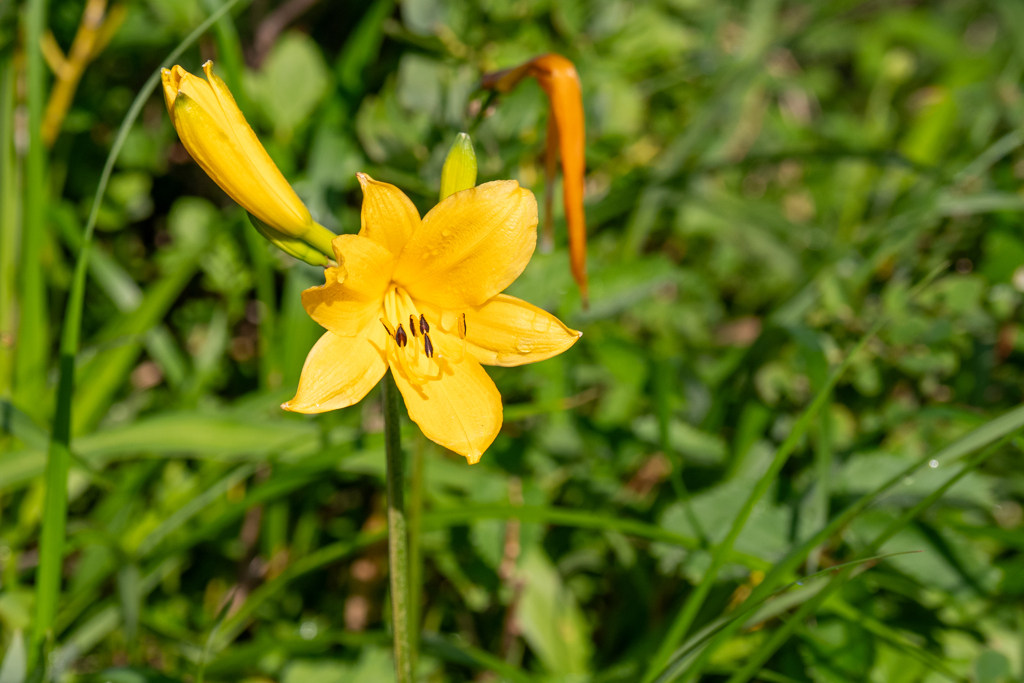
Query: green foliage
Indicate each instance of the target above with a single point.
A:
(804, 339)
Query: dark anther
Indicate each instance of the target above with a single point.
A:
(465, 328)
(387, 329)
(424, 327)
(400, 337)
(428, 348)
(412, 325)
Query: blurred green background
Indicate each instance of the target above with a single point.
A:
(766, 180)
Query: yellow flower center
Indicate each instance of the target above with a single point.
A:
(419, 347)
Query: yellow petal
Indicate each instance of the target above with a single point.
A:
(461, 410)
(265, 167)
(507, 331)
(340, 371)
(388, 216)
(170, 79)
(470, 246)
(202, 93)
(352, 296)
(226, 163)
(215, 133)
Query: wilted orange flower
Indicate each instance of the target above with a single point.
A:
(566, 134)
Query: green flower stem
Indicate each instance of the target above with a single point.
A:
(398, 539)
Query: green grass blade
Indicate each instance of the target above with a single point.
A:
(33, 329)
(473, 657)
(362, 47)
(101, 378)
(696, 599)
(10, 233)
(781, 635)
(192, 508)
(17, 424)
(454, 517)
(465, 514)
(263, 272)
(237, 622)
(55, 505)
(847, 611)
(117, 284)
(991, 431)
(754, 612)
(51, 544)
(218, 623)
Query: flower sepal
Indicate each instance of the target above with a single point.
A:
(293, 246)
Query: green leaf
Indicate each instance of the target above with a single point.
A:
(291, 83)
(551, 620)
(14, 667)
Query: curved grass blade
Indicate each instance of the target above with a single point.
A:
(781, 635)
(757, 611)
(466, 655)
(847, 611)
(222, 616)
(993, 430)
(696, 598)
(192, 508)
(446, 518)
(238, 621)
(51, 543)
(580, 519)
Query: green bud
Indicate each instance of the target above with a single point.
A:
(292, 245)
(459, 172)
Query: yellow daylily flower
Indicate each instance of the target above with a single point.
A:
(216, 134)
(423, 298)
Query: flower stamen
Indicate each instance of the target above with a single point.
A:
(428, 348)
(400, 337)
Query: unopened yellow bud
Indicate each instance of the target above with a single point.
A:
(459, 172)
(215, 133)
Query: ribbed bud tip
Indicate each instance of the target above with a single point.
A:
(459, 172)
